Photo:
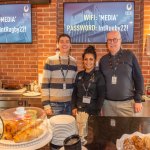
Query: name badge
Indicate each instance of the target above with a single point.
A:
(64, 86)
(87, 99)
(79, 77)
(114, 80)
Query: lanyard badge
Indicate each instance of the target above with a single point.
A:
(63, 74)
(114, 79)
(114, 63)
(87, 99)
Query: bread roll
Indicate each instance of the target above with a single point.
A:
(138, 142)
(146, 141)
(128, 144)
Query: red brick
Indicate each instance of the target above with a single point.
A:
(30, 58)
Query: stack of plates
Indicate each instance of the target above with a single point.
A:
(62, 126)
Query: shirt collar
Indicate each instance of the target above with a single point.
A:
(90, 73)
(117, 54)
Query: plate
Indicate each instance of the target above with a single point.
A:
(42, 141)
(83, 148)
(31, 94)
(62, 120)
(12, 143)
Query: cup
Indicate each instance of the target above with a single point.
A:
(82, 131)
(82, 128)
(28, 87)
(72, 142)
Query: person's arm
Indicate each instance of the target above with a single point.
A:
(138, 80)
(75, 75)
(45, 87)
(74, 97)
(101, 89)
(138, 83)
(100, 65)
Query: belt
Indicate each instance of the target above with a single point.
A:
(126, 99)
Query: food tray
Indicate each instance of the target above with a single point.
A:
(30, 145)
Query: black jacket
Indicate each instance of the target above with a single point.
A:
(130, 83)
(96, 92)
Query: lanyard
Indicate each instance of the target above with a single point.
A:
(63, 74)
(89, 84)
(114, 62)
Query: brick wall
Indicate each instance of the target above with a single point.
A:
(22, 62)
(142, 15)
(146, 30)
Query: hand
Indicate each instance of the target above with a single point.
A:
(138, 107)
(49, 111)
(74, 111)
(101, 113)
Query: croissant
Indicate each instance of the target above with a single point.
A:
(27, 135)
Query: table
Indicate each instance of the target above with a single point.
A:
(103, 131)
(10, 100)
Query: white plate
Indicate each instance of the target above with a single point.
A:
(9, 143)
(83, 148)
(32, 94)
(29, 146)
(62, 120)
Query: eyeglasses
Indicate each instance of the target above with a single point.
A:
(115, 40)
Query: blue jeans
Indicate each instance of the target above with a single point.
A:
(61, 108)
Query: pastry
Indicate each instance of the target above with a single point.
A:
(138, 142)
(27, 135)
(146, 140)
(128, 144)
(135, 143)
(24, 129)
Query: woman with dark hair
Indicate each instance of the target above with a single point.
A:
(89, 90)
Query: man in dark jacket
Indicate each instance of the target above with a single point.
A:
(124, 80)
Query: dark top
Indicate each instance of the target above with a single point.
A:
(96, 91)
(125, 67)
